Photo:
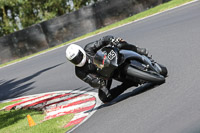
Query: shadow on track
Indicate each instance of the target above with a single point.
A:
(124, 96)
(14, 88)
(137, 91)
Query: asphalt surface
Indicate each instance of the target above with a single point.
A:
(173, 38)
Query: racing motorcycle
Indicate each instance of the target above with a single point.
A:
(123, 64)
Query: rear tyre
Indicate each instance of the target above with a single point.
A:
(148, 76)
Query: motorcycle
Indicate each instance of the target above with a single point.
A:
(123, 64)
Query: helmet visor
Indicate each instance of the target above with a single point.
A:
(77, 59)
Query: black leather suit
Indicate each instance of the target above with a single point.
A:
(88, 73)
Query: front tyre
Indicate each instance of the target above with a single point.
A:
(164, 71)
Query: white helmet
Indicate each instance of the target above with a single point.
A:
(76, 55)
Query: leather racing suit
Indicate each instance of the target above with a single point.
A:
(88, 73)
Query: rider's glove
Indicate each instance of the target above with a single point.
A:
(142, 51)
(102, 82)
(117, 40)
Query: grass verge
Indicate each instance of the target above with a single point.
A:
(157, 9)
(7, 103)
(15, 121)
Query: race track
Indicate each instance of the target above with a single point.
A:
(172, 37)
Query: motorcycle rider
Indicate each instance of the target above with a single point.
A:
(87, 71)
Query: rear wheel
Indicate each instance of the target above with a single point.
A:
(148, 76)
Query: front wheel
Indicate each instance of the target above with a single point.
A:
(148, 76)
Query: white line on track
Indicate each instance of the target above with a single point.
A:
(74, 100)
(87, 104)
(34, 101)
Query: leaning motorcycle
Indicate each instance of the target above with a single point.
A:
(126, 64)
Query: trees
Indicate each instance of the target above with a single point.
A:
(18, 14)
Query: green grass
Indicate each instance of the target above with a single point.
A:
(7, 103)
(15, 121)
(141, 15)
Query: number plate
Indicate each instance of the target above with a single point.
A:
(111, 55)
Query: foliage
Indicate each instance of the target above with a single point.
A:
(19, 14)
